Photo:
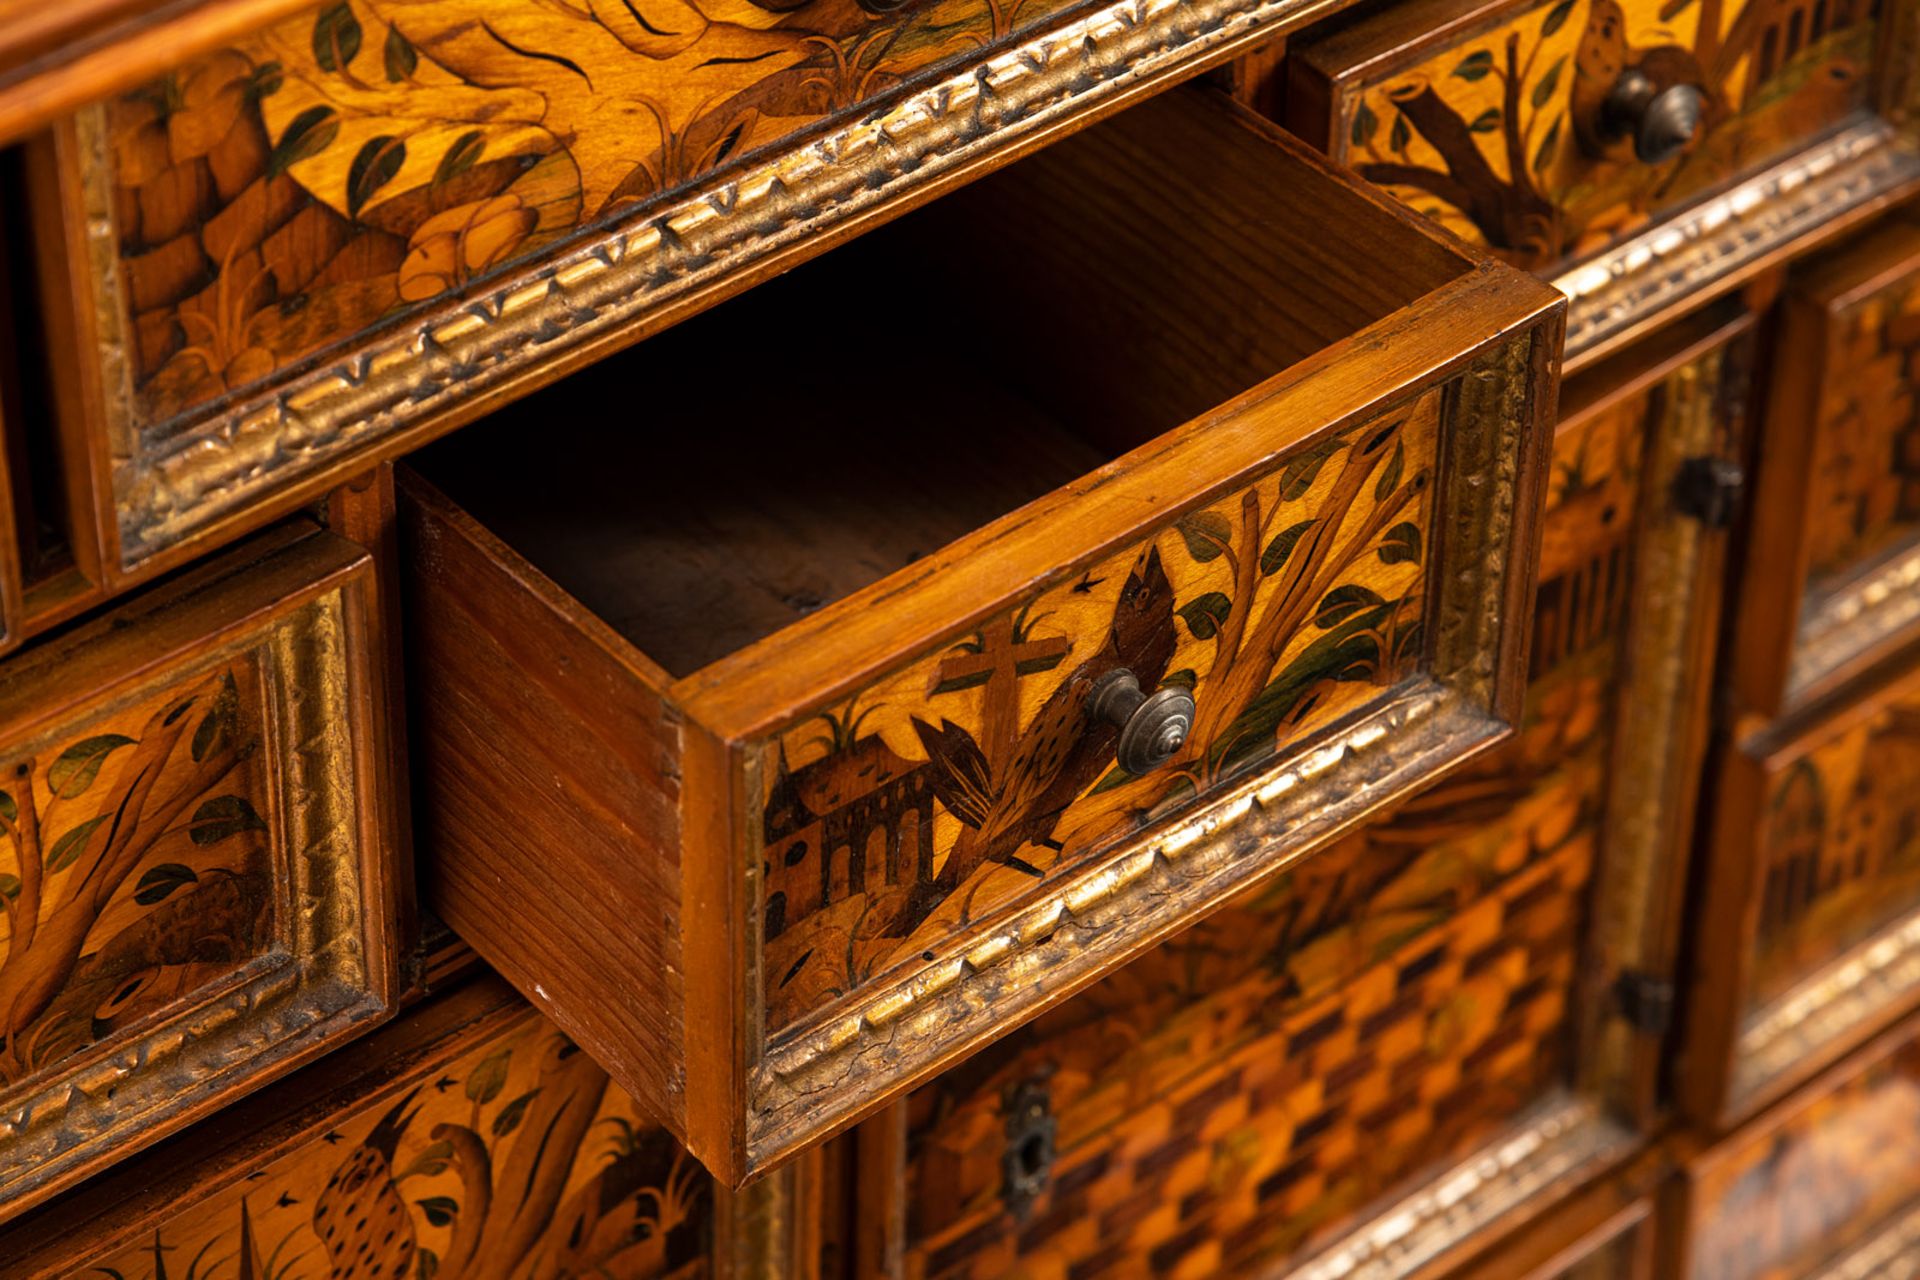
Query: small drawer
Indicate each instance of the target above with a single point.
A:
(194, 854)
(468, 1138)
(1826, 1186)
(1378, 1061)
(1642, 154)
(759, 739)
(1812, 940)
(1833, 574)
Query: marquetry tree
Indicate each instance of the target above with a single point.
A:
(1294, 565)
(76, 840)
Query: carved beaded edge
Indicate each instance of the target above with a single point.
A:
(830, 1072)
(172, 480)
(1670, 263)
(1890, 1254)
(1560, 1141)
(288, 1003)
(1853, 622)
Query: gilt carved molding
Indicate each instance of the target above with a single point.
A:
(1673, 262)
(171, 481)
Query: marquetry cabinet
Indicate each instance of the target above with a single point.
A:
(856, 639)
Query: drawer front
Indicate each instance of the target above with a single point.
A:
(1836, 530)
(471, 1138)
(1814, 1182)
(887, 828)
(1555, 132)
(285, 252)
(195, 862)
(1816, 870)
(1275, 1084)
(970, 779)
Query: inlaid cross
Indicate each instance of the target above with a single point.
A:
(999, 663)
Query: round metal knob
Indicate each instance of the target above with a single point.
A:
(1660, 121)
(1153, 726)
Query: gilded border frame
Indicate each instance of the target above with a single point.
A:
(325, 980)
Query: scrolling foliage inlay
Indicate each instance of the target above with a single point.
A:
(1501, 137)
(517, 1159)
(972, 778)
(278, 197)
(136, 868)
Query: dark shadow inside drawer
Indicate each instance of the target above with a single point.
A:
(778, 453)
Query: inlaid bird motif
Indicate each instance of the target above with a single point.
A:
(359, 1215)
(1007, 805)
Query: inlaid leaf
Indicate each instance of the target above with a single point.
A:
(1206, 534)
(9, 886)
(1275, 556)
(461, 156)
(1401, 544)
(1400, 135)
(1391, 473)
(1475, 66)
(68, 848)
(1548, 82)
(1364, 124)
(307, 135)
(427, 1264)
(1342, 603)
(1487, 121)
(1408, 642)
(1204, 614)
(489, 1077)
(1185, 678)
(8, 809)
(401, 58)
(440, 1210)
(223, 816)
(218, 726)
(1298, 476)
(373, 167)
(161, 881)
(430, 1163)
(76, 768)
(266, 80)
(1544, 156)
(1673, 9)
(336, 37)
(510, 1115)
(1556, 18)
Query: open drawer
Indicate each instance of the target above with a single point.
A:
(962, 613)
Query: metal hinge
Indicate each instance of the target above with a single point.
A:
(1645, 1000)
(1708, 489)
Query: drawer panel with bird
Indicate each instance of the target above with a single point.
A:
(954, 656)
(1813, 938)
(1642, 153)
(1834, 559)
(196, 866)
(469, 1139)
(1821, 1187)
(1425, 1003)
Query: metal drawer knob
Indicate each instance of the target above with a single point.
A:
(1153, 727)
(1660, 121)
